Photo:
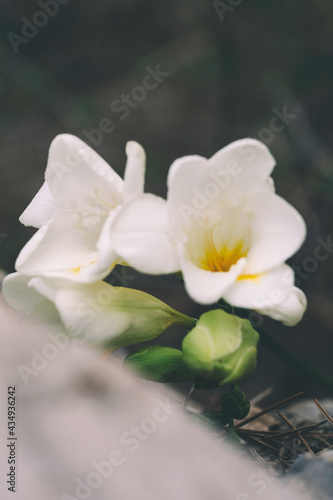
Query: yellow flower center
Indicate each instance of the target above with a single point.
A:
(216, 242)
(221, 260)
(77, 270)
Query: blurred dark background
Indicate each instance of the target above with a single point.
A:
(227, 72)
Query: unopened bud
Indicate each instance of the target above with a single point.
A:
(221, 347)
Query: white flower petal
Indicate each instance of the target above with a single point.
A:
(59, 249)
(293, 308)
(134, 176)
(21, 297)
(197, 185)
(226, 207)
(77, 243)
(141, 237)
(277, 231)
(107, 258)
(186, 199)
(247, 162)
(41, 209)
(77, 176)
(206, 287)
(18, 295)
(272, 293)
(47, 287)
(191, 168)
(87, 312)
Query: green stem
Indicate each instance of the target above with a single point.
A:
(293, 360)
(232, 435)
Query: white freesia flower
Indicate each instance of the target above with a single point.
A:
(224, 227)
(75, 209)
(28, 301)
(97, 313)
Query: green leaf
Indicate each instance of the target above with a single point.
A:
(161, 364)
(235, 404)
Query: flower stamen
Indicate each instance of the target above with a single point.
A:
(112, 205)
(221, 260)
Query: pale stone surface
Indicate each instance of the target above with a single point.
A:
(81, 409)
(313, 475)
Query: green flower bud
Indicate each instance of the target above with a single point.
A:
(221, 347)
(161, 364)
(142, 317)
(107, 316)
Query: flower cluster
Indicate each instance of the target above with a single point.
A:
(60, 271)
(222, 226)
